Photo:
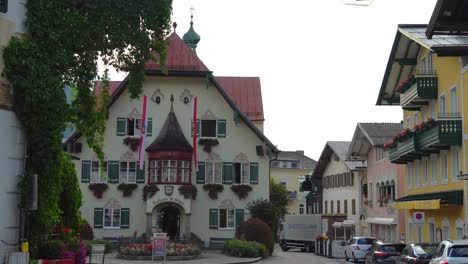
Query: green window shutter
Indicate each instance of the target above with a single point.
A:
(98, 217)
(198, 127)
(4, 6)
(114, 170)
(121, 126)
(124, 218)
(221, 128)
(239, 217)
(201, 173)
(149, 129)
(253, 173)
(85, 170)
(213, 218)
(227, 173)
(140, 178)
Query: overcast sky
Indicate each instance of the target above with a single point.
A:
(320, 63)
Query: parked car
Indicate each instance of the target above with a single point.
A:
(419, 253)
(357, 247)
(381, 252)
(451, 252)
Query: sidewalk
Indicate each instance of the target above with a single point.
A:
(207, 257)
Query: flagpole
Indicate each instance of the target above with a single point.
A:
(194, 129)
(144, 126)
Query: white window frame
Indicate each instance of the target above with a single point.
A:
(112, 225)
(409, 177)
(423, 113)
(442, 104)
(233, 215)
(432, 109)
(301, 209)
(136, 127)
(95, 176)
(453, 99)
(431, 231)
(417, 175)
(425, 171)
(124, 176)
(455, 163)
(415, 119)
(445, 229)
(434, 170)
(154, 170)
(211, 176)
(408, 122)
(245, 179)
(169, 169)
(444, 167)
(184, 171)
(459, 232)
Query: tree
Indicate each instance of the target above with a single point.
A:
(263, 209)
(279, 199)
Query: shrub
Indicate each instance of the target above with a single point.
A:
(51, 250)
(86, 232)
(257, 230)
(245, 249)
(107, 244)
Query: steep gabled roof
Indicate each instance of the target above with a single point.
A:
(340, 149)
(448, 18)
(304, 161)
(402, 61)
(370, 134)
(246, 93)
(179, 57)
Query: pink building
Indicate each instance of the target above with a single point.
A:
(383, 184)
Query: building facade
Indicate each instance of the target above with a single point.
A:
(232, 153)
(12, 141)
(385, 181)
(341, 195)
(427, 78)
(290, 168)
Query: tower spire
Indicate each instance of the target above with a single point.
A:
(191, 38)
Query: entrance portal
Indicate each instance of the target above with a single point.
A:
(170, 221)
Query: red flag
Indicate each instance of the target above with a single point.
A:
(144, 125)
(194, 127)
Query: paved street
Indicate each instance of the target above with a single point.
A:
(298, 257)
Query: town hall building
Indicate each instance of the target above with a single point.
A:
(169, 194)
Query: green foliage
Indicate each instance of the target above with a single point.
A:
(213, 190)
(149, 191)
(50, 249)
(107, 244)
(279, 199)
(62, 46)
(241, 190)
(264, 210)
(188, 191)
(86, 231)
(245, 249)
(127, 188)
(255, 229)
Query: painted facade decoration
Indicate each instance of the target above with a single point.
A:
(160, 202)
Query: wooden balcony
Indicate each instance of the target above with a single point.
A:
(424, 89)
(446, 132)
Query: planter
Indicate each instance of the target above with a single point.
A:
(208, 143)
(241, 190)
(98, 189)
(132, 143)
(149, 191)
(127, 188)
(148, 258)
(188, 191)
(213, 190)
(58, 261)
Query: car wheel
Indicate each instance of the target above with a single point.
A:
(354, 259)
(284, 247)
(346, 256)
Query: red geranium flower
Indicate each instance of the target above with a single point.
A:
(66, 230)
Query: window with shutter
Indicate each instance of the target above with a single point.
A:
(227, 172)
(124, 218)
(140, 178)
(149, 129)
(201, 173)
(221, 128)
(85, 171)
(239, 217)
(3, 6)
(98, 217)
(121, 125)
(113, 171)
(254, 173)
(213, 218)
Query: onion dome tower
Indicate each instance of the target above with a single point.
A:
(191, 38)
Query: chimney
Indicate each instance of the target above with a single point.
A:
(300, 152)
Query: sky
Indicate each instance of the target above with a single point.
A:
(320, 62)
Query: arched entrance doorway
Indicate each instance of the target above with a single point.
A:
(169, 221)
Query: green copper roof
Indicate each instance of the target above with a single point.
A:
(191, 38)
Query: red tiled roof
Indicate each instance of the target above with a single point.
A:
(179, 57)
(113, 85)
(246, 93)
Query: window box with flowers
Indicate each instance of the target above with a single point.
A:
(149, 191)
(208, 143)
(98, 189)
(188, 191)
(132, 142)
(213, 190)
(241, 190)
(127, 188)
(406, 84)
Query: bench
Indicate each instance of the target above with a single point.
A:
(97, 254)
(218, 242)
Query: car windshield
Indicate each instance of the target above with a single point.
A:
(365, 241)
(392, 248)
(425, 249)
(458, 251)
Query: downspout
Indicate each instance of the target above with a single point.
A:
(465, 184)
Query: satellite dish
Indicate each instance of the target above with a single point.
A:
(358, 2)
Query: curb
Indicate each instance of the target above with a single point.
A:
(245, 261)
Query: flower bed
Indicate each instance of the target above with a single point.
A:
(143, 251)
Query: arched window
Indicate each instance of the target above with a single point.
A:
(388, 190)
(445, 229)
(459, 229)
(431, 222)
(377, 191)
(392, 188)
(382, 190)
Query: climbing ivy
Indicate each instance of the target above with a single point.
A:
(64, 41)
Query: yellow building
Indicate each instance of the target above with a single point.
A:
(427, 78)
(290, 169)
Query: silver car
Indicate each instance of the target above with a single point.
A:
(451, 252)
(357, 247)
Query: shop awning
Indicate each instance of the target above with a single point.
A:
(348, 223)
(311, 195)
(430, 201)
(337, 224)
(381, 221)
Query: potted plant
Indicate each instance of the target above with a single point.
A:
(208, 143)
(213, 190)
(241, 190)
(98, 189)
(132, 142)
(127, 188)
(188, 191)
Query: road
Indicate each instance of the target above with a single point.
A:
(298, 257)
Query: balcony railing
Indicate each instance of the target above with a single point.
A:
(423, 88)
(292, 195)
(429, 137)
